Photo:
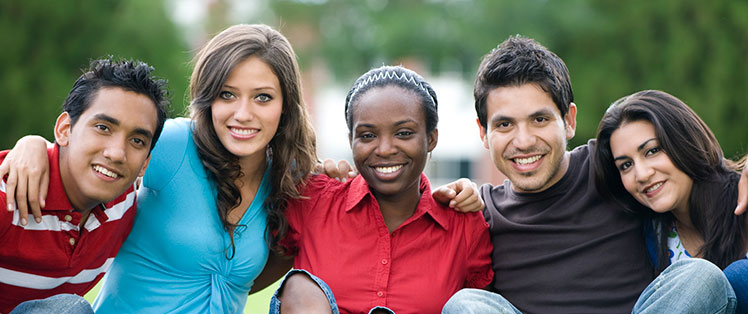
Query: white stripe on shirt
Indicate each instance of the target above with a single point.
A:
(26, 280)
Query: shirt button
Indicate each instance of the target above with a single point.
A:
(68, 218)
(384, 261)
(380, 294)
(72, 241)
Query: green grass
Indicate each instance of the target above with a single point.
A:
(256, 303)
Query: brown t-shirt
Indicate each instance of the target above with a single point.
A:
(565, 249)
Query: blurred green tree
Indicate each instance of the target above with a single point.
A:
(47, 43)
(693, 49)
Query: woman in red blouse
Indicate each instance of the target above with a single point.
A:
(379, 240)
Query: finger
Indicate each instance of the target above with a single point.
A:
(472, 205)
(444, 195)
(44, 188)
(10, 192)
(4, 167)
(21, 199)
(33, 198)
(346, 170)
(330, 169)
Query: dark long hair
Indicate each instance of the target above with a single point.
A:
(692, 147)
(292, 150)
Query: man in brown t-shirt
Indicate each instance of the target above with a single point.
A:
(558, 246)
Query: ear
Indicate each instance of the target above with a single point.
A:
(433, 139)
(63, 128)
(482, 134)
(145, 165)
(571, 121)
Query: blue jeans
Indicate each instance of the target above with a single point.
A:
(688, 286)
(61, 303)
(737, 274)
(275, 302)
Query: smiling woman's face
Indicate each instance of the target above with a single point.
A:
(389, 140)
(646, 170)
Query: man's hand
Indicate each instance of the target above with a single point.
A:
(341, 171)
(461, 195)
(27, 168)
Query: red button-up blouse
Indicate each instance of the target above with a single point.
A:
(339, 235)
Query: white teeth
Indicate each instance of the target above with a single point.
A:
(244, 131)
(654, 187)
(105, 172)
(529, 160)
(388, 169)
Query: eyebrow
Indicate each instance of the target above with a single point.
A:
(257, 88)
(541, 112)
(112, 120)
(638, 149)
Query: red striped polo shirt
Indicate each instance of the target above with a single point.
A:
(56, 256)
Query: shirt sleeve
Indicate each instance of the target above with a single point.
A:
(168, 153)
(480, 269)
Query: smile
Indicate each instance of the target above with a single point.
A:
(242, 131)
(389, 169)
(654, 187)
(105, 171)
(528, 160)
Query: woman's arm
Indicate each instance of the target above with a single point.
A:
(276, 266)
(27, 168)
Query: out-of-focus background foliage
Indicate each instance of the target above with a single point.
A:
(696, 50)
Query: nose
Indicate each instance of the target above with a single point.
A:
(245, 111)
(115, 150)
(385, 146)
(643, 172)
(524, 138)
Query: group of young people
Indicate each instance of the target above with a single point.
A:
(229, 200)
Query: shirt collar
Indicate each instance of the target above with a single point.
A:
(359, 190)
(56, 197)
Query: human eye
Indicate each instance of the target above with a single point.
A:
(366, 135)
(502, 125)
(652, 151)
(623, 166)
(404, 133)
(225, 95)
(101, 127)
(541, 119)
(139, 142)
(264, 97)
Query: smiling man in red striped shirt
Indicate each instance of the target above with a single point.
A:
(111, 119)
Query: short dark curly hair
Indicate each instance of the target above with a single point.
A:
(134, 76)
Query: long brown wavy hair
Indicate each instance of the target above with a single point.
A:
(292, 150)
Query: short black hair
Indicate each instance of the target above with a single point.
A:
(517, 61)
(134, 76)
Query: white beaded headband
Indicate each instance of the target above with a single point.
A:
(389, 75)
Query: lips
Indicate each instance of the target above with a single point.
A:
(652, 189)
(106, 173)
(527, 162)
(243, 133)
(388, 169)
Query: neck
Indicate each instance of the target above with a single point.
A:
(72, 190)
(683, 218)
(396, 209)
(253, 167)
